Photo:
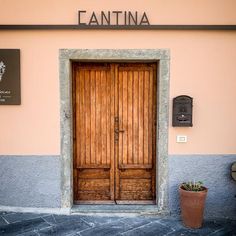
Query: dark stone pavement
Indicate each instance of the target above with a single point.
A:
(27, 224)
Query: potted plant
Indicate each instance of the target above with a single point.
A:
(192, 203)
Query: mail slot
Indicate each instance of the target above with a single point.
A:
(182, 111)
(233, 171)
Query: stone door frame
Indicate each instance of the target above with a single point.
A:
(162, 58)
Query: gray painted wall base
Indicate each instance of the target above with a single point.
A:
(30, 181)
(214, 171)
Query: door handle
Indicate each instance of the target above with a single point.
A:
(120, 131)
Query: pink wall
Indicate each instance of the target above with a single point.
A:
(202, 66)
(159, 11)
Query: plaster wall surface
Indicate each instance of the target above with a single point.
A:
(202, 65)
(158, 11)
(30, 181)
(214, 172)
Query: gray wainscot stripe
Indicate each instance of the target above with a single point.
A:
(214, 171)
(30, 181)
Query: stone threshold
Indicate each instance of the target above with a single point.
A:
(118, 209)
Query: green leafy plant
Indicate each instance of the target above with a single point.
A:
(193, 186)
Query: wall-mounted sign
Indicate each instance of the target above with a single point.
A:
(112, 18)
(10, 77)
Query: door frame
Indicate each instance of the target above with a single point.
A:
(159, 56)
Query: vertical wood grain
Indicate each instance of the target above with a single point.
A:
(87, 118)
(98, 118)
(93, 117)
(125, 118)
(103, 117)
(112, 111)
(130, 117)
(141, 120)
(116, 156)
(135, 117)
(108, 116)
(120, 108)
(146, 113)
(82, 136)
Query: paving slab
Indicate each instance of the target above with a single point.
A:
(65, 228)
(2, 221)
(113, 228)
(94, 221)
(23, 227)
(135, 222)
(29, 224)
(17, 217)
(152, 229)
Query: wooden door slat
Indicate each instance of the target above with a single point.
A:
(137, 195)
(87, 196)
(135, 68)
(82, 136)
(135, 184)
(94, 184)
(116, 154)
(93, 116)
(135, 166)
(98, 118)
(87, 118)
(130, 119)
(141, 120)
(146, 120)
(108, 118)
(93, 68)
(130, 173)
(120, 117)
(135, 118)
(94, 174)
(103, 118)
(125, 118)
(112, 142)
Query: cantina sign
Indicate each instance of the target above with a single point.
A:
(112, 18)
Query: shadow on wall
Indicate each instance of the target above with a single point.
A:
(214, 172)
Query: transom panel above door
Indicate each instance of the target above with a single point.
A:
(114, 132)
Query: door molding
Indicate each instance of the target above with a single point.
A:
(160, 56)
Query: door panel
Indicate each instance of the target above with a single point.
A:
(93, 132)
(137, 118)
(114, 132)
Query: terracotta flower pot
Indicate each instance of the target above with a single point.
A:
(192, 207)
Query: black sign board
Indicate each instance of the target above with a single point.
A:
(10, 77)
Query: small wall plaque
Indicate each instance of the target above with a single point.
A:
(10, 77)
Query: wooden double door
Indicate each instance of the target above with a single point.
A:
(114, 133)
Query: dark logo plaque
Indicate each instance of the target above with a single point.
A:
(10, 77)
